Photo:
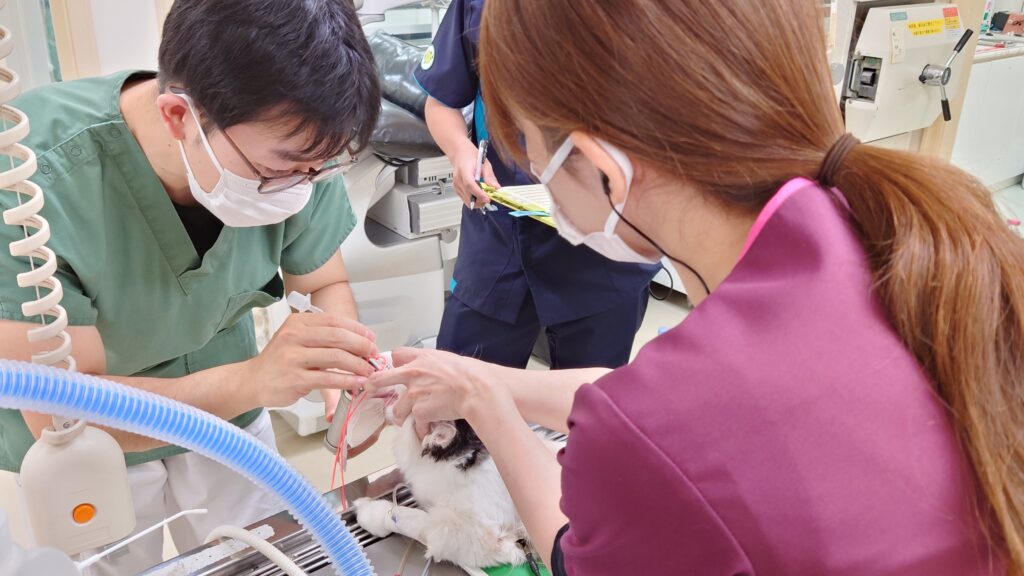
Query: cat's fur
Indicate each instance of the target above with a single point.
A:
(466, 514)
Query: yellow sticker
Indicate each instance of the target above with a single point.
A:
(952, 23)
(428, 58)
(926, 27)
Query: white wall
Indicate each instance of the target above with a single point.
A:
(126, 34)
(990, 139)
(1008, 6)
(30, 58)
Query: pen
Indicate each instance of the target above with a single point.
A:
(481, 156)
(481, 153)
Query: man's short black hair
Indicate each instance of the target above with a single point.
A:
(301, 61)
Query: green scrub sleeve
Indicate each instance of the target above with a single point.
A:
(79, 307)
(315, 234)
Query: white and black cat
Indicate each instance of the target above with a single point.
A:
(466, 514)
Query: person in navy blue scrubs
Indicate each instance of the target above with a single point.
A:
(516, 276)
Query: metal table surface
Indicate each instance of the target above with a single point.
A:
(298, 544)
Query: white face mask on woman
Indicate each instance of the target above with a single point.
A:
(605, 242)
(235, 200)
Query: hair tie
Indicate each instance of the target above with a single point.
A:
(834, 159)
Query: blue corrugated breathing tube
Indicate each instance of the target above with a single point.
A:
(52, 391)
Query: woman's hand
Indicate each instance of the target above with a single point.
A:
(466, 185)
(444, 386)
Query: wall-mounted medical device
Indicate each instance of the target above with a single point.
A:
(899, 60)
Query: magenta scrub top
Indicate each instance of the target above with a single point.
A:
(782, 429)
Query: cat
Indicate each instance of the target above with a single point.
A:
(466, 514)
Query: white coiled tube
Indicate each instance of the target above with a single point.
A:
(17, 165)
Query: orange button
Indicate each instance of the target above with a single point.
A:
(83, 513)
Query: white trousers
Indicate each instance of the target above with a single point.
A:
(165, 487)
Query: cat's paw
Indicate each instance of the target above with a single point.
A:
(375, 516)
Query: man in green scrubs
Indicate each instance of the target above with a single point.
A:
(173, 203)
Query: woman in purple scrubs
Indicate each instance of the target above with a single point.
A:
(846, 397)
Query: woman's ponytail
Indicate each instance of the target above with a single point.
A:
(950, 272)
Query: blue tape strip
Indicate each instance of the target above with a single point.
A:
(525, 213)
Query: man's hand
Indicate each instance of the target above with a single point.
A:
(310, 352)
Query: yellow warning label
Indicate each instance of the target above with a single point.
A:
(926, 27)
(952, 23)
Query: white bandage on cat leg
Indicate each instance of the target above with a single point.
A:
(410, 522)
(375, 516)
(382, 518)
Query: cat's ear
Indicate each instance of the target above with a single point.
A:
(441, 435)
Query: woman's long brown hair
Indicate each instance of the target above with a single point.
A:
(735, 99)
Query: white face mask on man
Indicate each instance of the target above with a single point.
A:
(605, 242)
(235, 200)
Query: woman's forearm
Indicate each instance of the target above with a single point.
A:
(530, 472)
(545, 397)
(448, 128)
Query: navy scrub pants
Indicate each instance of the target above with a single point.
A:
(601, 340)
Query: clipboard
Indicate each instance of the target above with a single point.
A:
(529, 199)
